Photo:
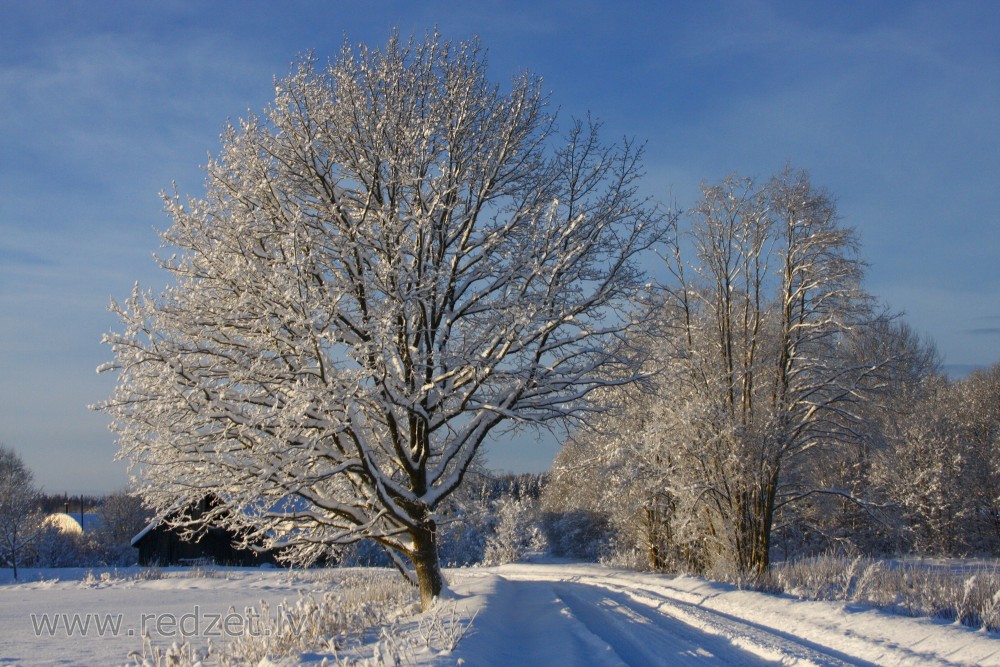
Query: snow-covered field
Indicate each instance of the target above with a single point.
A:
(42, 618)
(523, 614)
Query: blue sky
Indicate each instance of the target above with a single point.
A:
(894, 107)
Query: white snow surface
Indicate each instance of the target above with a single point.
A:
(522, 614)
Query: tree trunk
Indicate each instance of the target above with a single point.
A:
(654, 539)
(753, 530)
(13, 551)
(762, 557)
(426, 563)
(760, 562)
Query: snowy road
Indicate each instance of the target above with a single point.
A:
(578, 624)
(586, 615)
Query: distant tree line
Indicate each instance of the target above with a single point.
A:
(69, 503)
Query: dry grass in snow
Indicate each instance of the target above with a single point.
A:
(969, 594)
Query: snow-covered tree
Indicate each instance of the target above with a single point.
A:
(941, 466)
(121, 516)
(867, 518)
(516, 530)
(930, 462)
(605, 495)
(979, 425)
(394, 260)
(757, 375)
(20, 517)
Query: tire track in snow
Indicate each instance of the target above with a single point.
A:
(641, 635)
(545, 623)
(768, 644)
(524, 623)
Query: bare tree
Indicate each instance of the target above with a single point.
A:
(20, 518)
(392, 262)
(122, 517)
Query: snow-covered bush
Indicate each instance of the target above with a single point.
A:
(57, 548)
(516, 532)
(463, 540)
(118, 554)
(466, 522)
(496, 520)
(178, 654)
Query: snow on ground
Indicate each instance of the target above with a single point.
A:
(42, 618)
(524, 614)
